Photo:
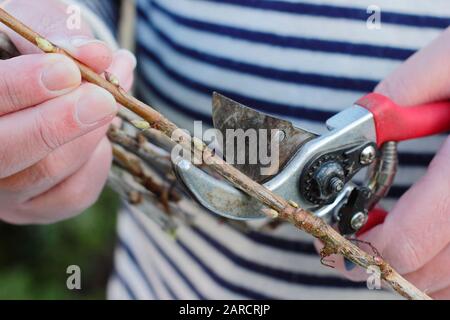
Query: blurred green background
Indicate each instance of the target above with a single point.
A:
(34, 259)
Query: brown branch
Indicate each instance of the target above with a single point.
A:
(143, 149)
(283, 209)
(122, 182)
(136, 168)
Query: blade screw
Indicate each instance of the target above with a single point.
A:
(336, 184)
(367, 155)
(358, 220)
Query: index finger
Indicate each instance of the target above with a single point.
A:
(417, 229)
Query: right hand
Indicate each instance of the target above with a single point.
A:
(54, 155)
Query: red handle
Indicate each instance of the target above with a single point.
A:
(396, 123)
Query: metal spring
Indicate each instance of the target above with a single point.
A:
(383, 172)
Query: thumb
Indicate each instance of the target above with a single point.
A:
(50, 19)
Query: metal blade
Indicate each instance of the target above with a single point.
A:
(229, 114)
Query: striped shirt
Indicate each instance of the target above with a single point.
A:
(303, 60)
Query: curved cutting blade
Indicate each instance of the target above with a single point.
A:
(229, 114)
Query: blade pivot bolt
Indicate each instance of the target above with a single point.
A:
(367, 155)
(358, 220)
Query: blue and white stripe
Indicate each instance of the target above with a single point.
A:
(303, 60)
(107, 10)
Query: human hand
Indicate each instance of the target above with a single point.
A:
(54, 155)
(415, 237)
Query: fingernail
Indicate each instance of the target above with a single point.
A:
(95, 106)
(349, 266)
(78, 42)
(71, 44)
(60, 73)
(130, 56)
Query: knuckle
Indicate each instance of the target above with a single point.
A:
(48, 169)
(45, 172)
(410, 257)
(16, 184)
(442, 211)
(10, 95)
(4, 161)
(48, 133)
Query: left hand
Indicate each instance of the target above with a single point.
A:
(54, 153)
(415, 237)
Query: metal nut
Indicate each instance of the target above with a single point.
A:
(367, 155)
(358, 220)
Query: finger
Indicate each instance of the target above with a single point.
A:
(122, 66)
(435, 275)
(442, 295)
(49, 18)
(29, 80)
(117, 122)
(416, 229)
(423, 77)
(72, 196)
(94, 53)
(52, 170)
(28, 136)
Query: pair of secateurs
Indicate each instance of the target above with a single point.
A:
(316, 171)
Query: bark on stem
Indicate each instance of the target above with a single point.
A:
(333, 241)
(135, 167)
